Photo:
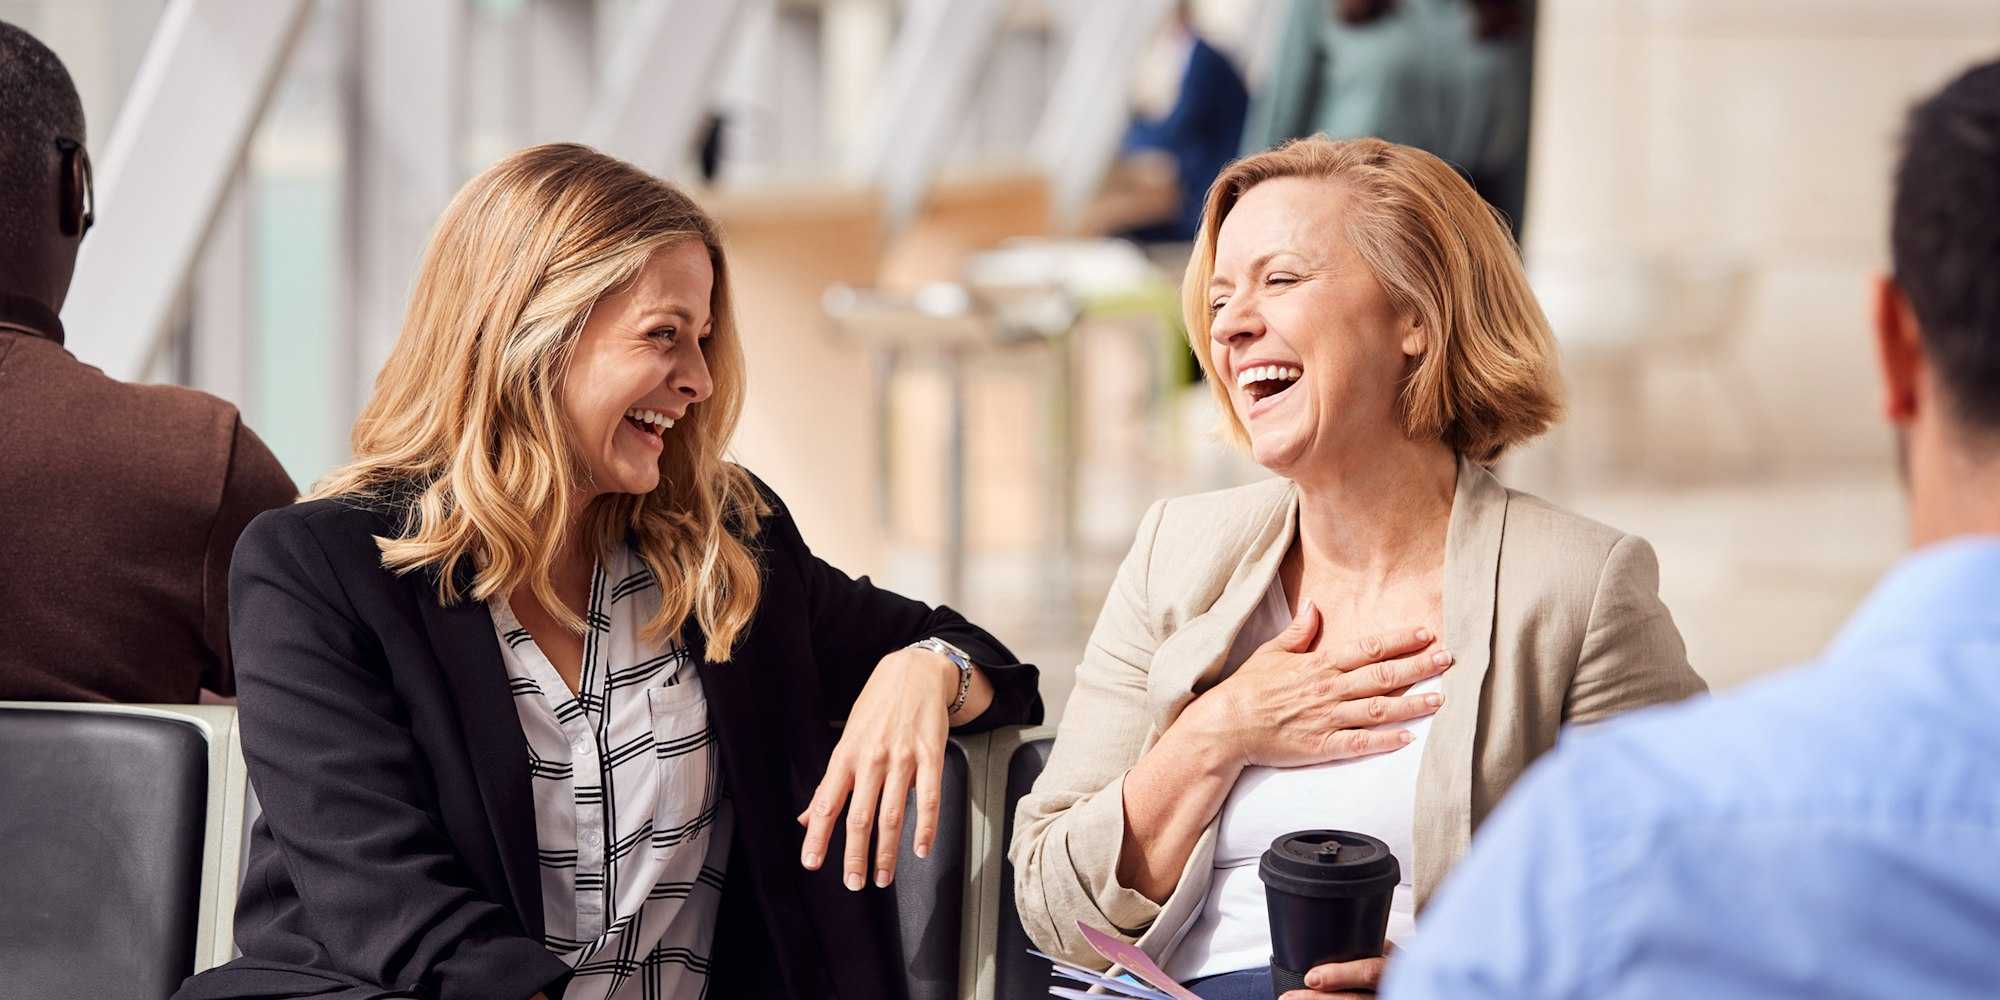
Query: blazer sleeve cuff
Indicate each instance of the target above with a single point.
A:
(1017, 697)
(1096, 836)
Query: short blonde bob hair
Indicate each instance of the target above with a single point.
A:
(1489, 378)
(465, 432)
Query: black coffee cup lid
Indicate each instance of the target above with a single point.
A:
(1327, 863)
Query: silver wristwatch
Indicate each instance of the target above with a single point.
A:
(958, 659)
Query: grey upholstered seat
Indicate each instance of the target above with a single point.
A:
(930, 892)
(100, 852)
(1017, 973)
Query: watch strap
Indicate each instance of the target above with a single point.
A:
(958, 659)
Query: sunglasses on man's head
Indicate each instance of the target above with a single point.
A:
(72, 148)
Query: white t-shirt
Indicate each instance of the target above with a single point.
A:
(1372, 795)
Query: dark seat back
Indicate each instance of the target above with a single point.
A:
(1015, 972)
(101, 823)
(930, 892)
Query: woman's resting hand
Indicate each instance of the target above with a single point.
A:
(1291, 705)
(894, 739)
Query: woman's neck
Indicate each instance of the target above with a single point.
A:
(575, 556)
(1377, 516)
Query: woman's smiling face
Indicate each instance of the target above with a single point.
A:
(637, 367)
(1312, 351)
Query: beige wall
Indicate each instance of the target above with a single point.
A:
(1762, 127)
(1767, 130)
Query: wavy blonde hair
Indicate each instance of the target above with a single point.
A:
(465, 433)
(1489, 378)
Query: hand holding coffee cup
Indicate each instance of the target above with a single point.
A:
(1292, 705)
(1328, 894)
(1354, 980)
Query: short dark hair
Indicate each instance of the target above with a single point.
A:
(1945, 237)
(38, 104)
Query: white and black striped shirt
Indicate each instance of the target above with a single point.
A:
(631, 822)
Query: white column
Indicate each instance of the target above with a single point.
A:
(659, 79)
(855, 37)
(920, 101)
(221, 304)
(798, 115)
(405, 95)
(1087, 112)
(1008, 102)
(562, 68)
(747, 95)
(180, 136)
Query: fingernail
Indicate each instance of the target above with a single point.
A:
(1433, 700)
(1441, 658)
(811, 860)
(881, 878)
(1423, 635)
(923, 850)
(1404, 736)
(854, 881)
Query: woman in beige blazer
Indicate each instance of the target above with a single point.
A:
(1383, 637)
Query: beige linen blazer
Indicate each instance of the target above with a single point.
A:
(1553, 619)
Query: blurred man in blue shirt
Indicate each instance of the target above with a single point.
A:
(1833, 832)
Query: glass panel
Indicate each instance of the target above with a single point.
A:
(302, 374)
(101, 42)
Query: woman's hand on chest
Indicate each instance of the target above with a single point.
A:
(1306, 698)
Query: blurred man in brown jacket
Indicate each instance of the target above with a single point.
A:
(119, 504)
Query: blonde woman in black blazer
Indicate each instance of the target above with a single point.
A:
(565, 384)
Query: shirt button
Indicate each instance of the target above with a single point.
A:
(590, 838)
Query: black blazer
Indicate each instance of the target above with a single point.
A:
(396, 853)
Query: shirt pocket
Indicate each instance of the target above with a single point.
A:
(684, 760)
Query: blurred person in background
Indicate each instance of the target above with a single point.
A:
(119, 504)
(1380, 638)
(1830, 832)
(1448, 76)
(1154, 192)
(538, 692)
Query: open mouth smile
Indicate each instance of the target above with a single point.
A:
(1263, 382)
(652, 423)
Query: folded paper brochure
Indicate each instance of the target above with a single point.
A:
(1142, 979)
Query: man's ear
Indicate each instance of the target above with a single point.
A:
(71, 184)
(1899, 350)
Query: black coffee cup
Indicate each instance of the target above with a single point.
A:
(1328, 892)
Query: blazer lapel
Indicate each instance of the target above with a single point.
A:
(760, 772)
(1191, 659)
(732, 717)
(1443, 824)
(468, 653)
